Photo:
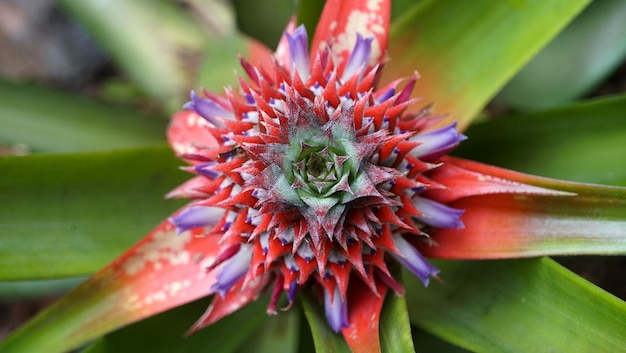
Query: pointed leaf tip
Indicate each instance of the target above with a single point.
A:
(233, 300)
(510, 214)
(464, 178)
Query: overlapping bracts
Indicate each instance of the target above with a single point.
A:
(312, 175)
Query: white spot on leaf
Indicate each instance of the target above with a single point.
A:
(165, 248)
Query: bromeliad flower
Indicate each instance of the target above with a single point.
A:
(312, 175)
(318, 177)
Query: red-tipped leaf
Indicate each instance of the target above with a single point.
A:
(576, 219)
(162, 271)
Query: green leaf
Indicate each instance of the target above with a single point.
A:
(51, 121)
(395, 329)
(326, 341)
(155, 42)
(278, 334)
(466, 51)
(166, 332)
(592, 47)
(517, 306)
(37, 289)
(68, 215)
(582, 142)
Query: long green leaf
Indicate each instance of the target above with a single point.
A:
(395, 329)
(165, 333)
(37, 289)
(466, 51)
(51, 121)
(592, 45)
(582, 142)
(518, 306)
(68, 215)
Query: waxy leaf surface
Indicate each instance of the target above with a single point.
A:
(531, 305)
(69, 215)
(48, 121)
(465, 51)
(582, 142)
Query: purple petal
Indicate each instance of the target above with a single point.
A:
(336, 311)
(206, 170)
(436, 142)
(233, 270)
(195, 217)
(208, 109)
(359, 57)
(388, 94)
(293, 290)
(299, 51)
(438, 215)
(413, 260)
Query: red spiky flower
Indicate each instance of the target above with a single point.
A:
(312, 175)
(316, 177)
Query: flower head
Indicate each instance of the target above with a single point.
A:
(312, 175)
